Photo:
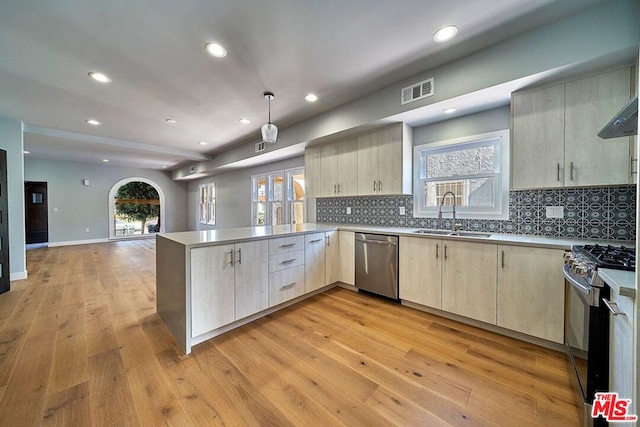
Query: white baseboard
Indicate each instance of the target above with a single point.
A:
(78, 242)
(20, 275)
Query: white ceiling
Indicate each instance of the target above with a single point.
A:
(154, 51)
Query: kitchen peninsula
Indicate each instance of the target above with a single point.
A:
(209, 282)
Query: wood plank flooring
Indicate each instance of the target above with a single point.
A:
(82, 345)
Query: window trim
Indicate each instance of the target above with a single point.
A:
(209, 205)
(499, 211)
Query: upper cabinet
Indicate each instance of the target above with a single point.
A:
(377, 162)
(555, 141)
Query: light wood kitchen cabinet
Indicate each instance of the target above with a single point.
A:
(420, 271)
(589, 104)
(251, 278)
(286, 268)
(228, 282)
(314, 261)
(339, 168)
(332, 255)
(384, 161)
(469, 279)
(621, 351)
(531, 291)
(537, 150)
(555, 142)
(347, 243)
(312, 168)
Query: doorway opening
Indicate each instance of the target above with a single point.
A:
(36, 213)
(136, 208)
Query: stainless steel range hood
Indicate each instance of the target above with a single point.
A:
(625, 123)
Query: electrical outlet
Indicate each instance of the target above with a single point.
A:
(554, 211)
(55, 209)
(348, 210)
(402, 210)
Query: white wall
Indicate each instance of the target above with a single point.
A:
(11, 142)
(233, 195)
(80, 207)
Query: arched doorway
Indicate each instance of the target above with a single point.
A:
(136, 208)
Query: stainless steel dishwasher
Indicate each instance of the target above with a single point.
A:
(377, 264)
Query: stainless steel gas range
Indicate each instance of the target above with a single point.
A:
(587, 317)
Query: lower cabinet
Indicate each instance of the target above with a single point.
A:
(347, 244)
(314, 261)
(228, 282)
(621, 351)
(286, 269)
(531, 291)
(332, 257)
(469, 279)
(286, 284)
(420, 271)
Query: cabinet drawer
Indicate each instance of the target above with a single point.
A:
(286, 244)
(285, 285)
(286, 260)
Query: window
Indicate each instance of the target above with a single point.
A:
(207, 203)
(472, 171)
(277, 198)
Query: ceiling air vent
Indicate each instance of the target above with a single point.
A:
(260, 146)
(417, 91)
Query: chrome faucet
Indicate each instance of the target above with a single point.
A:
(454, 226)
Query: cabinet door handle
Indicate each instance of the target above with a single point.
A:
(290, 285)
(230, 257)
(558, 172)
(374, 185)
(315, 241)
(288, 245)
(437, 250)
(335, 189)
(613, 307)
(445, 252)
(288, 261)
(502, 261)
(339, 190)
(571, 172)
(379, 185)
(328, 241)
(239, 260)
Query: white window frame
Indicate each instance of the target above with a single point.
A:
(287, 196)
(207, 203)
(500, 139)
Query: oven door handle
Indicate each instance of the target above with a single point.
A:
(577, 285)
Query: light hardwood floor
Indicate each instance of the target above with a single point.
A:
(81, 345)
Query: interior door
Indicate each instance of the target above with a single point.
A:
(4, 226)
(36, 212)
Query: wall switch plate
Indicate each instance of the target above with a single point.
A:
(55, 209)
(554, 211)
(348, 210)
(86, 229)
(402, 210)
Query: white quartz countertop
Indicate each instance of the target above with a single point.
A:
(230, 235)
(621, 282)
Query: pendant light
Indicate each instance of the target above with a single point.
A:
(269, 130)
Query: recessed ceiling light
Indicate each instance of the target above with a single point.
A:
(164, 166)
(311, 97)
(171, 121)
(244, 121)
(25, 152)
(99, 77)
(105, 160)
(445, 34)
(202, 143)
(93, 122)
(216, 50)
(450, 110)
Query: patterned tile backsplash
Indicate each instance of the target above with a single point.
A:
(593, 213)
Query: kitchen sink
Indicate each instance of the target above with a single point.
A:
(453, 233)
